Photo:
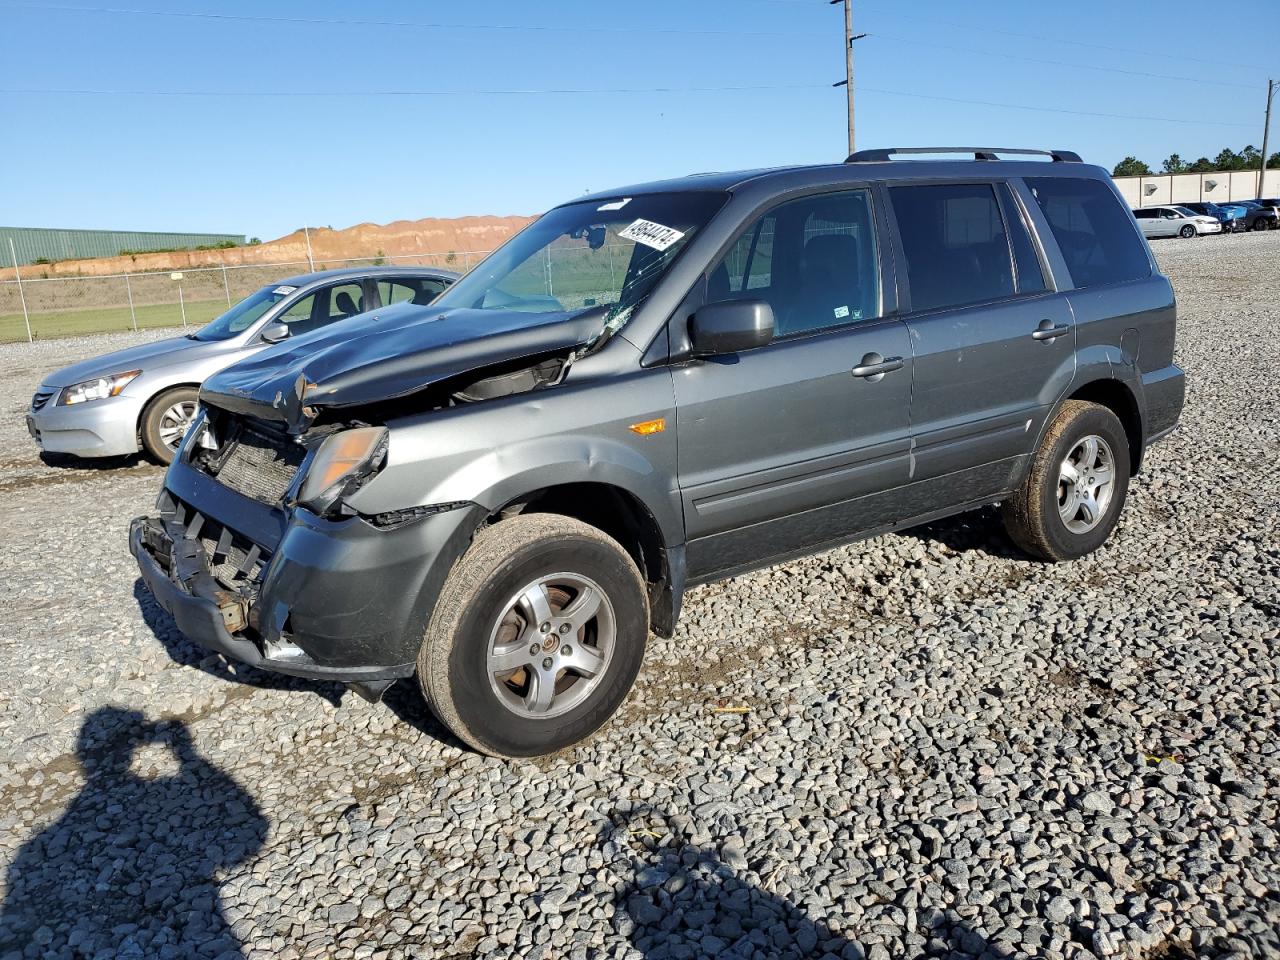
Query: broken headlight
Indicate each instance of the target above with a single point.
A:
(341, 465)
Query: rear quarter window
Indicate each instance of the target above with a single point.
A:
(1093, 230)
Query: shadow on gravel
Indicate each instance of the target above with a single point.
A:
(130, 869)
(187, 654)
(405, 700)
(977, 530)
(65, 461)
(682, 900)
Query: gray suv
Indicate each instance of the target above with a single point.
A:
(504, 492)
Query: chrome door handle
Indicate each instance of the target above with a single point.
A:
(874, 366)
(1047, 331)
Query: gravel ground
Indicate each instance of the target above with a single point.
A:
(945, 749)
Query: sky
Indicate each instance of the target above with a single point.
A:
(260, 116)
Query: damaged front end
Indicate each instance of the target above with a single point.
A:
(255, 550)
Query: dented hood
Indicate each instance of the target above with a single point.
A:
(386, 354)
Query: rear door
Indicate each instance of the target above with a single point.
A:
(993, 342)
(804, 441)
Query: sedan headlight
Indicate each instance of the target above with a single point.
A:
(98, 389)
(341, 465)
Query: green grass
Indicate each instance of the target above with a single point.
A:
(74, 323)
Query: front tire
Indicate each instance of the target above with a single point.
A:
(165, 420)
(537, 637)
(1073, 494)
(1187, 232)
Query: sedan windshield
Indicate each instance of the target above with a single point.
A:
(243, 315)
(597, 254)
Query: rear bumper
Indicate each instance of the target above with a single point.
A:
(99, 428)
(337, 600)
(1163, 394)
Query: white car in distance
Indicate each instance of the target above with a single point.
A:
(1175, 221)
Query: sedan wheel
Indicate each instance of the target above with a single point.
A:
(165, 422)
(1187, 232)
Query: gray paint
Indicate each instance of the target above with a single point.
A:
(784, 449)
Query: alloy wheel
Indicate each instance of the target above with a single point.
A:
(551, 646)
(175, 421)
(1086, 483)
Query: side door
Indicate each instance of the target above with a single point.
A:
(1170, 222)
(994, 343)
(1148, 221)
(806, 440)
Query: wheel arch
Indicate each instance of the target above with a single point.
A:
(625, 517)
(150, 402)
(1119, 398)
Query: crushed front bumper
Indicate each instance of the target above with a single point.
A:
(338, 600)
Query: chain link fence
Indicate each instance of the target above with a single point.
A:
(36, 308)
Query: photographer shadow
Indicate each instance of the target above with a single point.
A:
(682, 900)
(130, 868)
(187, 654)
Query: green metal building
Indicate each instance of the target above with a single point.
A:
(33, 244)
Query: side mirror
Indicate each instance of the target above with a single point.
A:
(730, 327)
(275, 332)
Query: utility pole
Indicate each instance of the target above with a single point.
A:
(847, 82)
(1272, 86)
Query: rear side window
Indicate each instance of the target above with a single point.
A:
(955, 244)
(1030, 272)
(1088, 221)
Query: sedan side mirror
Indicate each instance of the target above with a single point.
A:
(730, 327)
(275, 332)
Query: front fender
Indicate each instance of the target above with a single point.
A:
(497, 451)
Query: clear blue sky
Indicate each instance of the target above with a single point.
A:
(241, 162)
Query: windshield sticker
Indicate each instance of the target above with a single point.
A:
(651, 234)
(284, 290)
(614, 205)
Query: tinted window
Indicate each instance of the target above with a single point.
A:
(955, 244)
(1096, 238)
(813, 260)
(1030, 277)
(345, 300)
(417, 290)
(1145, 214)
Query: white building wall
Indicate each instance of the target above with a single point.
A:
(1219, 186)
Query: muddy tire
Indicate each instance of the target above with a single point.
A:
(537, 637)
(1073, 494)
(165, 420)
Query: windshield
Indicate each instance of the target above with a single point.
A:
(244, 314)
(599, 254)
(1185, 212)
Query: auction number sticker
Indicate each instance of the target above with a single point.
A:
(651, 234)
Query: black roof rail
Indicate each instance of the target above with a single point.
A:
(979, 153)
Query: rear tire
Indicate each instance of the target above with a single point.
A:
(1055, 517)
(537, 637)
(165, 420)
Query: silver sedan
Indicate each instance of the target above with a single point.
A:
(145, 397)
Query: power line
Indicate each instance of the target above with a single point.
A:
(584, 91)
(432, 25)
(1056, 63)
(1078, 113)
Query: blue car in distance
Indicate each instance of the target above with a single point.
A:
(1231, 216)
